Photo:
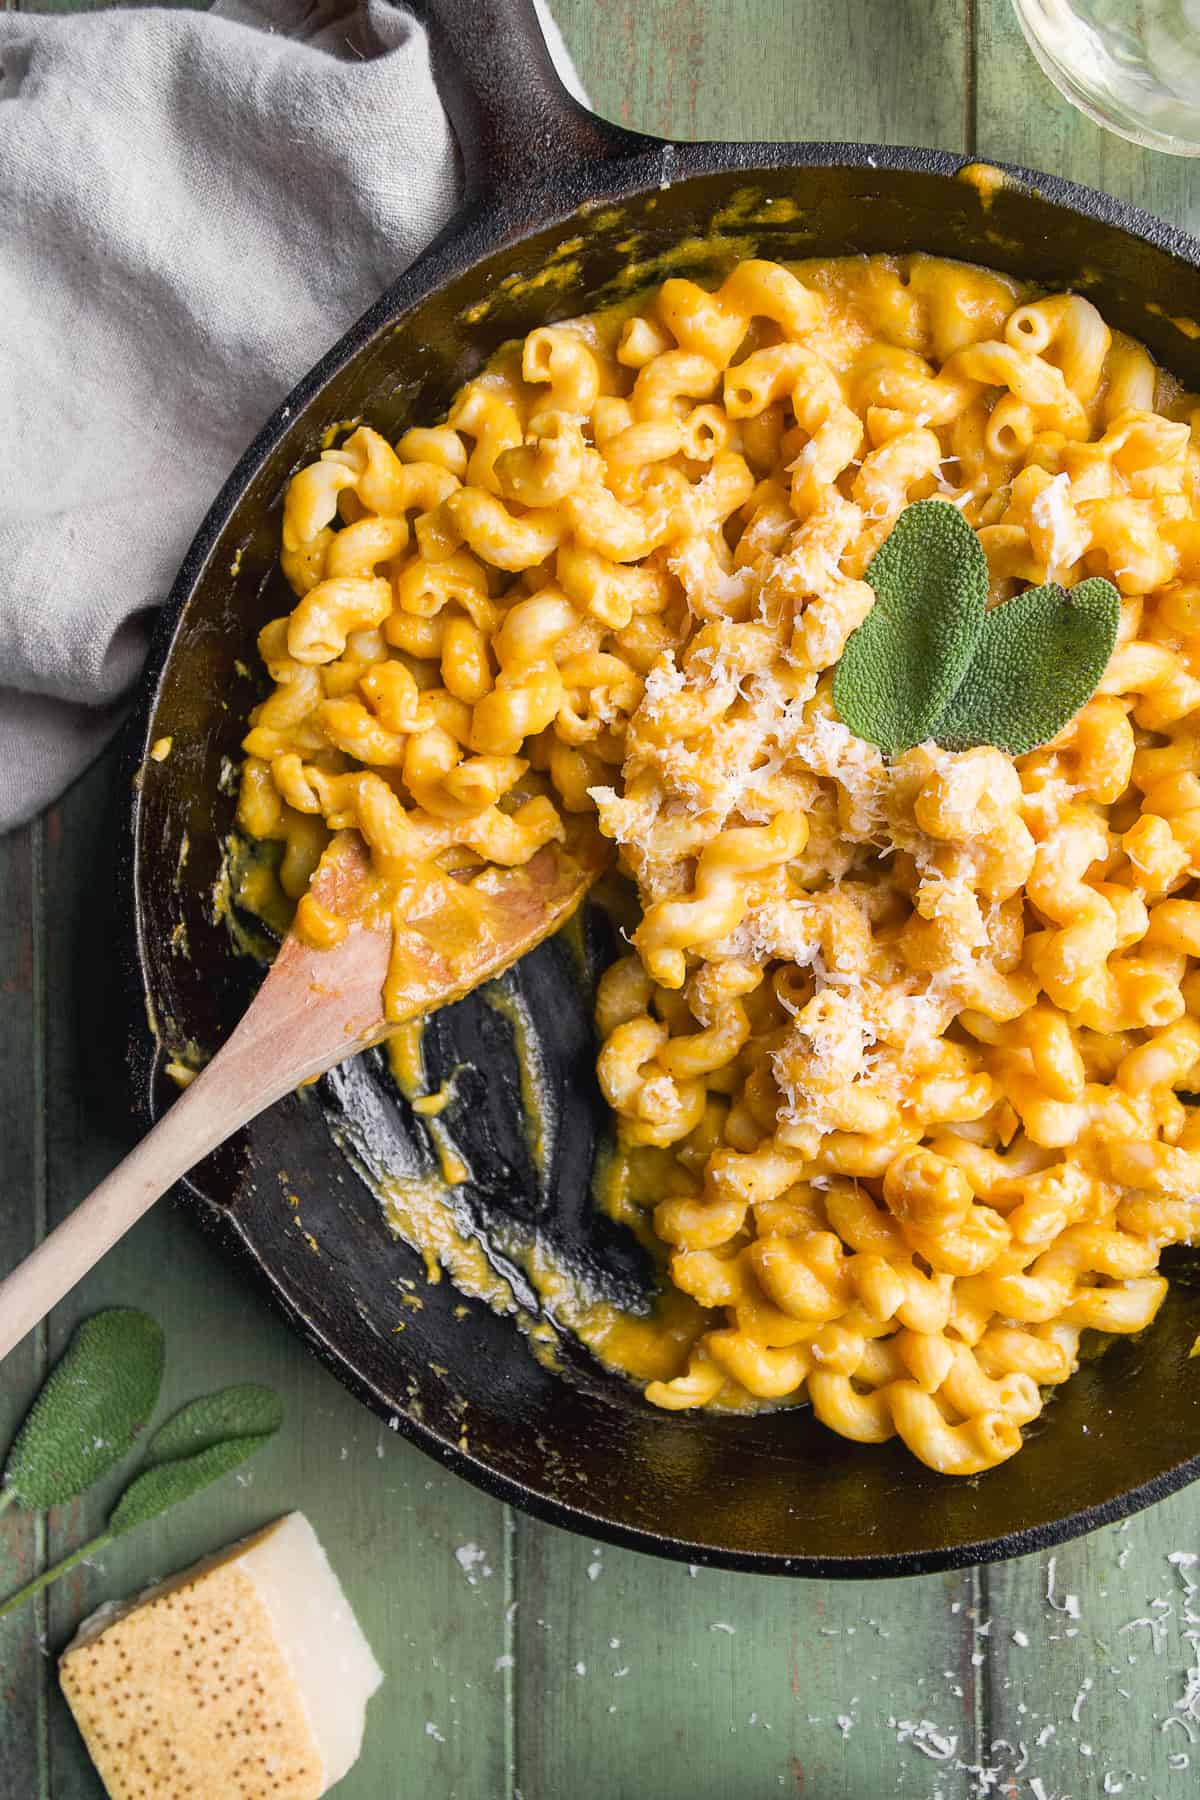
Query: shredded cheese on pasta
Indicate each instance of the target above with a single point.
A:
(899, 1045)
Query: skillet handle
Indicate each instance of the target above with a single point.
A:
(514, 120)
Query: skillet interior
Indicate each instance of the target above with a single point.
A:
(774, 1493)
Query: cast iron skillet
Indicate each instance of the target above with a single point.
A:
(559, 206)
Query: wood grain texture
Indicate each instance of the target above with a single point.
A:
(1092, 1643)
(833, 1691)
(22, 1222)
(1021, 117)
(391, 1521)
(744, 1684)
(883, 71)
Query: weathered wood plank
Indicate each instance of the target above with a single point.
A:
(743, 1684)
(775, 68)
(1021, 117)
(1089, 1659)
(22, 1219)
(390, 1519)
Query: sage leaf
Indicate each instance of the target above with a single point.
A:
(246, 1410)
(201, 1442)
(1037, 660)
(902, 667)
(164, 1485)
(97, 1400)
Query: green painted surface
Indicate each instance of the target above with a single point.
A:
(550, 1668)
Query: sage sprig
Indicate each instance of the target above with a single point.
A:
(931, 660)
(197, 1446)
(97, 1400)
(1037, 660)
(903, 666)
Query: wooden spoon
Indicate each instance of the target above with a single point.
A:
(315, 1009)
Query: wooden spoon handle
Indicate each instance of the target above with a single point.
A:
(315, 1008)
(205, 1114)
(296, 1027)
(181, 1138)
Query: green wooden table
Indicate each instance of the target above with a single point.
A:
(547, 1667)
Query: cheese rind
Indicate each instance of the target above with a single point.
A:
(243, 1677)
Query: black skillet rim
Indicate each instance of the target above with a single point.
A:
(467, 240)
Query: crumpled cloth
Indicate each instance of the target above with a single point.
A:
(193, 208)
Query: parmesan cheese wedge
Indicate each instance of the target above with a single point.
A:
(243, 1677)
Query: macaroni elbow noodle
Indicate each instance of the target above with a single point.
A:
(903, 1053)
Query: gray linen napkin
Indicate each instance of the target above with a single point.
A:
(193, 207)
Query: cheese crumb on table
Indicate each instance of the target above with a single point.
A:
(246, 1675)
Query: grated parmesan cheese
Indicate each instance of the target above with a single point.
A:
(1067, 537)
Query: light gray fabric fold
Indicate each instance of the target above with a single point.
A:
(193, 208)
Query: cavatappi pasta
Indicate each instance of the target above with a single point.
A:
(898, 1046)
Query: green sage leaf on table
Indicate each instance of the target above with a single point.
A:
(158, 1489)
(1038, 659)
(90, 1412)
(245, 1410)
(200, 1443)
(901, 668)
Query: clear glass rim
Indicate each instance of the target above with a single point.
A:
(1101, 112)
